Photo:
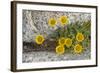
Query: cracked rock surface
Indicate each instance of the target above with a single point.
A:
(36, 22)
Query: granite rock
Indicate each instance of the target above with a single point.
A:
(36, 22)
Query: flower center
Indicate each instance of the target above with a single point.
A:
(78, 48)
(62, 41)
(68, 42)
(80, 37)
(40, 39)
(64, 20)
(53, 22)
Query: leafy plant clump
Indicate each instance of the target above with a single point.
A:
(74, 37)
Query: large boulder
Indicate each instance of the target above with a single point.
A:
(36, 22)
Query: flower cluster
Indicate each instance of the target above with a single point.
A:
(67, 42)
(63, 21)
(69, 37)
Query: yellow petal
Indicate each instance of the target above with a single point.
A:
(60, 49)
(79, 37)
(63, 20)
(68, 42)
(52, 22)
(62, 41)
(39, 39)
(78, 49)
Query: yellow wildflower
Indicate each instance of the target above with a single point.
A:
(62, 41)
(79, 37)
(52, 22)
(60, 49)
(68, 42)
(39, 39)
(78, 48)
(63, 20)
